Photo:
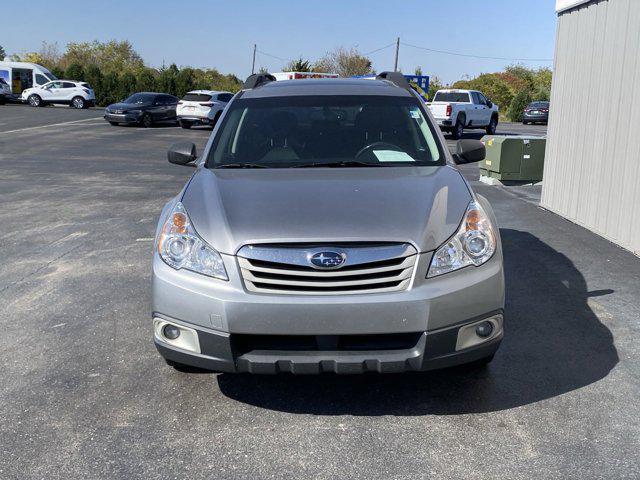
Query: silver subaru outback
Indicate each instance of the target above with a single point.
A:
(326, 229)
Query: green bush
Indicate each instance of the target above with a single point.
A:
(519, 102)
(57, 71)
(109, 92)
(74, 72)
(146, 80)
(93, 76)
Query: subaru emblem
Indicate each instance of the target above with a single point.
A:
(327, 260)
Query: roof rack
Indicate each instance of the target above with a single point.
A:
(257, 79)
(396, 78)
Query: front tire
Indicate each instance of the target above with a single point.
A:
(78, 103)
(186, 125)
(35, 100)
(458, 129)
(493, 124)
(146, 121)
(115, 124)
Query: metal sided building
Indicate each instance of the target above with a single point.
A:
(592, 164)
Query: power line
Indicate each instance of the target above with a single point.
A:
(458, 54)
(275, 56)
(378, 49)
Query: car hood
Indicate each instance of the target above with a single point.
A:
(234, 207)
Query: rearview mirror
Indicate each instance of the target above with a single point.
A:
(469, 151)
(489, 103)
(183, 153)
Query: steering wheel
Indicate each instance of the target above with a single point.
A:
(378, 146)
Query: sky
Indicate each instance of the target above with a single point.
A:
(221, 34)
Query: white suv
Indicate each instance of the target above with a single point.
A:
(201, 107)
(67, 92)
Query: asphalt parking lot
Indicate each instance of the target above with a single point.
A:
(84, 394)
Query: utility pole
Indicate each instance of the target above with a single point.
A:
(395, 65)
(253, 64)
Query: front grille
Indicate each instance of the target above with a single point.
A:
(245, 343)
(368, 268)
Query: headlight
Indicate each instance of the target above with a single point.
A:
(180, 247)
(473, 244)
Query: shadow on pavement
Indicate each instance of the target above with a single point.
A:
(554, 343)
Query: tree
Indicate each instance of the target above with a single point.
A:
(57, 71)
(109, 93)
(346, 63)
(146, 80)
(418, 70)
(185, 81)
(74, 72)
(519, 102)
(127, 84)
(93, 76)
(542, 84)
(49, 54)
(112, 56)
(435, 84)
(492, 85)
(2, 53)
(31, 57)
(167, 79)
(299, 65)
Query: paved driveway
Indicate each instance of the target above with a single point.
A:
(83, 393)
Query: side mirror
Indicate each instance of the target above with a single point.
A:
(489, 103)
(469, 151)
(183, 153)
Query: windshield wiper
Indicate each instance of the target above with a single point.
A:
(344, 163)
(240, 165)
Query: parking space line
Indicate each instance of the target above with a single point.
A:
(50, 125)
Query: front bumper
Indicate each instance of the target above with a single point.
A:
(433, 309)
(432, 350)
(122, 117)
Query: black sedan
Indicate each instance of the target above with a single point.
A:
(536, 112)
(144, 109)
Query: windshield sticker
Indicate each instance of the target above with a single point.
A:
(415, 113)
(392, 156)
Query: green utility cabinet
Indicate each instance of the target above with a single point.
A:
(513, 158)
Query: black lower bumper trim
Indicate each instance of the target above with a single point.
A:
(433, 350)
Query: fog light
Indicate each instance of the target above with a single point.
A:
(483, 329)
(170, 331)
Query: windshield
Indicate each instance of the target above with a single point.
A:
(462, 97)
(48, 74)
(310, 131)
(140, 98)
(539, 105)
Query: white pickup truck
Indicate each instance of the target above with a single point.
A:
(455, 110)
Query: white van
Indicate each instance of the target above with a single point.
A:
(21, 75)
